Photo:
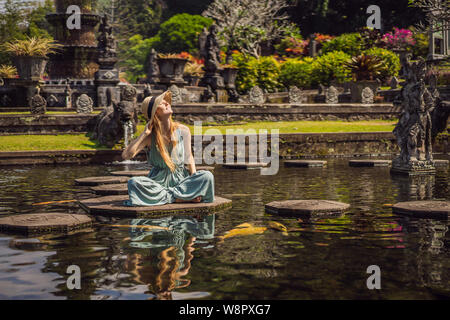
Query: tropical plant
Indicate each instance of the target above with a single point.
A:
(365, 67)
(399, 39)
(349, 43)
(329, 67)
(172, 56)
(180, 33)
(32, 47)
(263, 72)
(297, 72)
(7, 71)
(193, 69)
(390, 62)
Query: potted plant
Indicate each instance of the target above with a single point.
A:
(193, 72)
(229, 74)
(366, 70)
(171, 68)
(7, 73)
(30, 56)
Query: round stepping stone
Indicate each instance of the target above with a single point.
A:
(39, 223)
(244, 165)
(305, 163)
(95, 181)
(441, 163)
(136, 173)
(306, 207)
(423, 209)
(369, 163)
(143, 173)
(206, 168)
(113, 205)
(111, 189)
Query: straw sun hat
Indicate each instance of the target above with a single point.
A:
(150, 104)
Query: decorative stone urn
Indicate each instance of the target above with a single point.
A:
(356, 89)
(30, 68)
(171, 70)
(229, 77)
(192, 80)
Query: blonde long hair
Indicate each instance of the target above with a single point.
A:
(160, 142)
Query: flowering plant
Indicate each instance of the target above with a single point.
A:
(399, 39)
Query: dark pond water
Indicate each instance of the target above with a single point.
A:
(323, 258)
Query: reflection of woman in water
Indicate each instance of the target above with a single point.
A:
(168, 144)
(165, 252)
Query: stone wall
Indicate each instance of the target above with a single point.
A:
(189, 113)
(46, 124)
(292, 146)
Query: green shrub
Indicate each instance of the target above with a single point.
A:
(180, 33)
(263, 72)
(420, 48)
(391, 62)
(329, 67)
(137, 50)
(296, 72)
(349, 43)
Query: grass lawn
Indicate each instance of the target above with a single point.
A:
(82, 142)
(303, 126)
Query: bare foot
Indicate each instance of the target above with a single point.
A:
(195, 200)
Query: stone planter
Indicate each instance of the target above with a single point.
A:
(30, 68)
(356, 89)
(192, 80)
(229, 77)
(171, 70)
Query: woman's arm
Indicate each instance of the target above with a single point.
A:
(137, 145)
(188, 157)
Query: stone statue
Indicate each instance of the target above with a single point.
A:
(295, 95)
(38, 105)
(110, 124)
(256, 95)
(153, 68)
(212, 50)
(202, 42)
(106, 42)
(331, 95)
(68, 94)
(414, 129)
(177, 96)
(367, 96)
(394, 83)
(84, 104)
(208, 95)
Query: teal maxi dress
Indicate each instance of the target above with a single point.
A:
(163, 186)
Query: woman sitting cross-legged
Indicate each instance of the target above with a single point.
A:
(168, 145)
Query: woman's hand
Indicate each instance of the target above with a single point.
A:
(148, 128)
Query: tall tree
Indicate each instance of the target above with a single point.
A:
(246, 24)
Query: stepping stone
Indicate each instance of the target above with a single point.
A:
(369, 163)
(136, 173)
(423, 209)
(206, 168)
(306, 207)
(113, 205)
(244, 165)
(441, 163)
(96, 181)
(304, 163)
(39, 223)
(143, 173)
(111, 189)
